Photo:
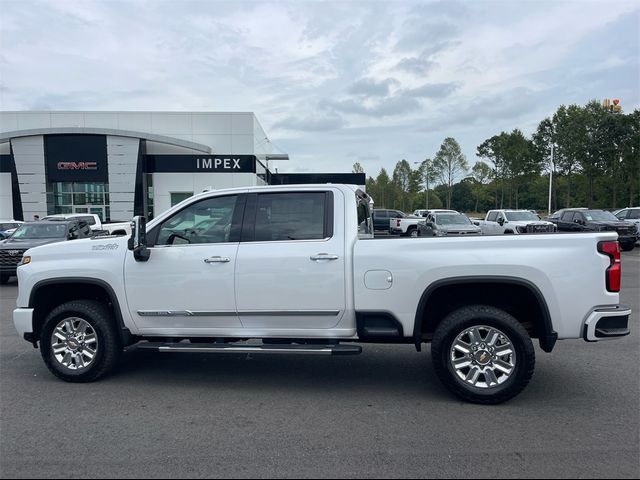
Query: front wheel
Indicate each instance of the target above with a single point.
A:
(79, 341)
(482, 354)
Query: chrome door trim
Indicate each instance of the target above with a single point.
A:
(183, 313)
(290, 313)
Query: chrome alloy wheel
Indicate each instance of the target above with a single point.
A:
(74, 343)
(483, 357)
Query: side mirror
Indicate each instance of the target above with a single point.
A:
(501, 221)
(138, 240)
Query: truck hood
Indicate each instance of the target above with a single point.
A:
(524, 223)
(459, 228)
(26, 243)
(84, 246)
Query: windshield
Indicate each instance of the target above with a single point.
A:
(521, 216)
(600, 216)
(8, 226)
(452, 219)
(41, 231)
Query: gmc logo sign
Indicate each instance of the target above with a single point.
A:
(77, 166)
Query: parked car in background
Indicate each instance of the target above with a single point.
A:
(448, 224)
(555, 216)
(409, 225)
(381, 217)
(498, 222)
(631, 215)
(420, 213)
(34, 234)
(7, 227)
(581, 220)
(94, 222)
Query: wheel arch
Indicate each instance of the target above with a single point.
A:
(47, 294)
(424, 323)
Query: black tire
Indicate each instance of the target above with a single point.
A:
(109, 345)
(627, 247)
(4, 278)
(413, 232)
(460, 320)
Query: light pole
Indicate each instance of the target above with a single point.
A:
(550, 178)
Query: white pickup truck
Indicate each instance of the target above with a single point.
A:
(295, 269)
(498, 222)
(94, 222)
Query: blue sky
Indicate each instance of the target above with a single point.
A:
(333, 83)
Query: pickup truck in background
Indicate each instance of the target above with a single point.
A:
(296, 270)
(448, 224)
(94, 222)
(630, 215)
(381, 217)
(498, 222)
(410, 225)
(33, 234)
(585, 220)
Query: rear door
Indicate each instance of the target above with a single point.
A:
(290, 271)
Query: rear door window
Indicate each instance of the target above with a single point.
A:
(292, 216)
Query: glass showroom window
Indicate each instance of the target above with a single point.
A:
(75, 197)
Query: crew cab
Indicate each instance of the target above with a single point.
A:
(498, 222)
(295, 269)
(585, 220)
(94, 222)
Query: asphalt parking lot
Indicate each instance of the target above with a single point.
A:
(380, 414)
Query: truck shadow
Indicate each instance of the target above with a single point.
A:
(391, 369)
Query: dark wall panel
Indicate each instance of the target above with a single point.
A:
(76, 158)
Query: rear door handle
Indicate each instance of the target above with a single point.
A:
(324, 256)
(217, 260)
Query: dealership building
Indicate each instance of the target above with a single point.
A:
(121, 164)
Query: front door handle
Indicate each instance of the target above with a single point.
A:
(217, 260)
(323, 256)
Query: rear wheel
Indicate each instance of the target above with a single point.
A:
(627, 247)
(482, 354)
(79, 341)
(413, 233)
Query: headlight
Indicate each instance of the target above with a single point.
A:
(26, 259)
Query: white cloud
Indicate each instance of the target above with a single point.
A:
(332, 83)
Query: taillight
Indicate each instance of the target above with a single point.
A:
(398, 223)
(614, 272)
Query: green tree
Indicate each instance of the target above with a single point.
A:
(571, 130)
(402, 180)
(493, 149)
(357, 168)
(481, 174)
(449, 164)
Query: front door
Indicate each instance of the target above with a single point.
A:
(187, 285)
(290, 271)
